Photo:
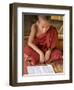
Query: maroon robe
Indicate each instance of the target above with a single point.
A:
(44, 42)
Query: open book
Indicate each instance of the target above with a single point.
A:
(40, 70)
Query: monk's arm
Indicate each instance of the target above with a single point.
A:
(31, 38)
(47, 54)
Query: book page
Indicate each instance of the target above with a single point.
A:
(40, 70)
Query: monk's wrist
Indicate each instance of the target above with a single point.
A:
(49, 49)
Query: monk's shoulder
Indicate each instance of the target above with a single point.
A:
(33, 26)
(53, 28)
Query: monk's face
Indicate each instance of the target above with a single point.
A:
(43, 25)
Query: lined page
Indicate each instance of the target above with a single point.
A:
(40, 70)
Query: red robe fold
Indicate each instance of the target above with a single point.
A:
(44, 42)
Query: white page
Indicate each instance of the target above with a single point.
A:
(40, 70)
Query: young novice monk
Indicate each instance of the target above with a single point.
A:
(41, 46)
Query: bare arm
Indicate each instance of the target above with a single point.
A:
(32, 45)
(47, 54)
(31, 38)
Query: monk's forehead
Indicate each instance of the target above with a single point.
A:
(44, 22)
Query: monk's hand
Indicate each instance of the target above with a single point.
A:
(42, 58)
(47, 55)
